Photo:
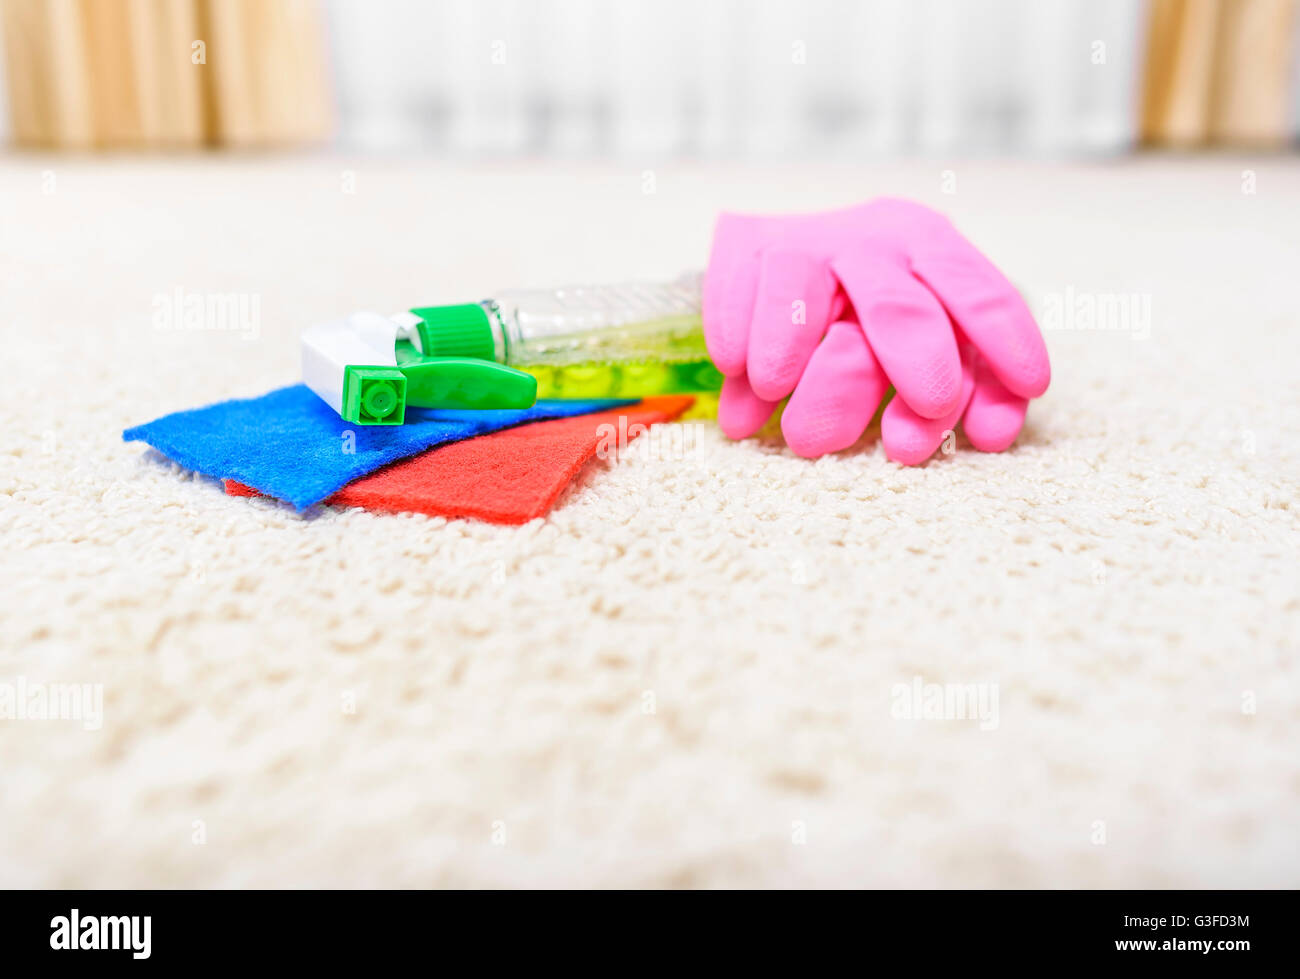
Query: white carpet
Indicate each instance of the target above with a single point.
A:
(686, 675)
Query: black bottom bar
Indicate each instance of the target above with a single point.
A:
(808, 930)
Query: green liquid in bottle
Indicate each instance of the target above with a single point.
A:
(643, 379)
(692, 374)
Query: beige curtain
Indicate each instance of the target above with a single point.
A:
(178, 73)
(165, 73)
(1218, 72)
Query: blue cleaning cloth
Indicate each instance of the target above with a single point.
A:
(291, 445)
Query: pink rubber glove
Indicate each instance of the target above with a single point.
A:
(830, 309)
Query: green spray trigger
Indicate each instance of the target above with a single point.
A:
(363, 369)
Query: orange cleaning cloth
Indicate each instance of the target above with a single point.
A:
(507, 477)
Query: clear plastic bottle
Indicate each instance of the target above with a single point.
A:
(606, 341)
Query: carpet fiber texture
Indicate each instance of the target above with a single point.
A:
(701, 668)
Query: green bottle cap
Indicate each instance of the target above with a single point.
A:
(455, 331)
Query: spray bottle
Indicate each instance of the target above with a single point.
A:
(610, 341)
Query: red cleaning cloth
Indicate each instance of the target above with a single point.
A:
(506, 477)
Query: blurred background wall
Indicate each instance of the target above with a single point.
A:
(636, 78)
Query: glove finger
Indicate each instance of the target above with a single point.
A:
(741, 412)
(910, 438)
(792, 309)
(908, 331)
(837, 396)
(989, 310)
(994, 416)
(729, 287)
